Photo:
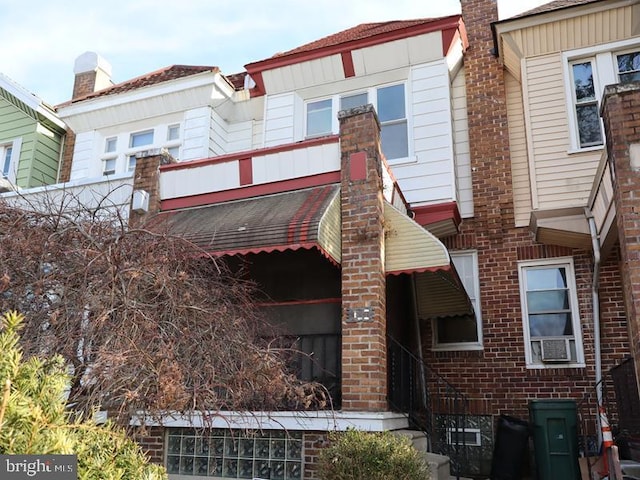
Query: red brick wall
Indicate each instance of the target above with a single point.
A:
(67, 156)
(147, 177)
(496, 378)
(84, 84)
(621, 115)
(151, 439)
(364, 358)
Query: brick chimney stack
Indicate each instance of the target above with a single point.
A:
(92, 73)
(364, 324)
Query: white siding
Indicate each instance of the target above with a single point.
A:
(561, 179)
(83, 165)
(217, 135)
(296, 163)
(279, 119)
(239, 137)
(199, 180)
(196, 130)
(464, 185)
(258, 134)
(430, 178)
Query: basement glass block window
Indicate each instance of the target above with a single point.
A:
(273, 454)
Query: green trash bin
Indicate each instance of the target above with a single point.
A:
(555, 439)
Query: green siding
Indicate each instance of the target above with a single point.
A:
(40, 150)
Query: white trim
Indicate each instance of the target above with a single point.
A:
(566, 262)
(323, 421)
(29, 99)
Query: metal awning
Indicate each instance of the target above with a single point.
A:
(308, 218)
(410, 248)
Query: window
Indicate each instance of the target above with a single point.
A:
(319, 118)
(587, 114)
(393, 121)
(469, 437)
(225, 453)
(351, 101)
(131, 163)
(110, 145)
(6, 152)
(141, 139)
(462, 332)
(109, 166)
(173, 132)
(389, 102)
(550, 314)
(628, 67)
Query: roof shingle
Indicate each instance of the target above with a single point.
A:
(166, 74)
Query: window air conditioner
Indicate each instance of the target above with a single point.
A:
(555, 350)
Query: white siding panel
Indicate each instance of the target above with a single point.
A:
(258, 134)
(430, 179)
(239, 137)
(195, 181)
(561, 179)
(461, 146)
(279, 118)
(217, 135)
(196, 130)
(82, 157)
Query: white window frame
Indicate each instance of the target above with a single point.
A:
(15, 146)
(110, 156)
(372, 98)
(567, 263)
(605, 72)
(334, 123)
(471, 281)
(451, 431)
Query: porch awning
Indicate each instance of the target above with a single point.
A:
(308, 218)
(409, 248)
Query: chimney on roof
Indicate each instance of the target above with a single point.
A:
(92, 73)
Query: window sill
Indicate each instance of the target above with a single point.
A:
(458, 347)
(551, 366)
(573, 151)
(411, 159)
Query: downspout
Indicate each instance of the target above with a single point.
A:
(595, 286)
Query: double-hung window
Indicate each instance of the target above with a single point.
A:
(393, 121)
(319, 118)
(390, 104)
(585, 100)
(110, 157)
(628, 66)
(550, 313)
(462, 332)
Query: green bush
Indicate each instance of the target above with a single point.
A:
(34, 419)
(358, 455)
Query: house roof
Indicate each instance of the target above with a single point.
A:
(362, 35)
(553, 6)
(359, 32)
(166, 74)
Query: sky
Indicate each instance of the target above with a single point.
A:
(40, 40)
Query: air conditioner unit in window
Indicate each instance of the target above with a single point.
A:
(555, 350)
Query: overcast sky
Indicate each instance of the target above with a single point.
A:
(40, 40)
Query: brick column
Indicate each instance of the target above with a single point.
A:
(364, 345)
(487, 114)
(147, 178)
(620, 112)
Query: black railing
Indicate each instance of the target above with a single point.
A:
(432, 404)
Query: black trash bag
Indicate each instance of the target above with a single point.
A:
(510, 449)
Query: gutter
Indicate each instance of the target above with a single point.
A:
(595, 286)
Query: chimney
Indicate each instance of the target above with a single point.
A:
(92, 73)
(364, 324)
(487, 114)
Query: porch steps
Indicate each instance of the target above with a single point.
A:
(440, 468)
